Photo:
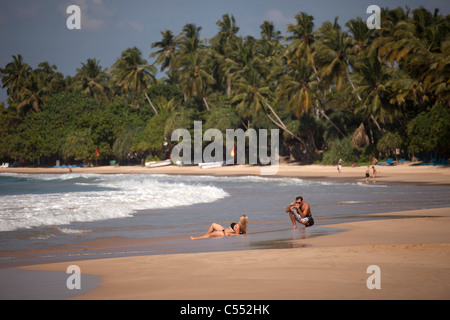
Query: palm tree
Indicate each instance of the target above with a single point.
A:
(270, 49)
(91, 79)
(193, 65)
(428, 58)
(194, 76)
(132, 73)
(33, 92)
(332, 52)
(252, 94)
(360, 38)
(301, 39)
(301, 47)
(295, 86)
(373, 78)
(400, 42)
(168, 46)
(14, 75)
(190, 38)
(268, 32)
(244, 62)
(437, 81)
(53, 80)
(418, 46)
(222, 46)
(227, 27)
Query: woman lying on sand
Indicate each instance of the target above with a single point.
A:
(216, 230)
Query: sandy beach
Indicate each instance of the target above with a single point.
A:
(414, 173)
(412, 252)
(413, 256)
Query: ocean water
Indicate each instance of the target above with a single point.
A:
(53, 211)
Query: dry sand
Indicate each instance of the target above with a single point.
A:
(400, 173)
(412, 252)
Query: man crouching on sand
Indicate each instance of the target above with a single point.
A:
(301, 214)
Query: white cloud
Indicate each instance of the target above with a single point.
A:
(136, 25)
(277, 17)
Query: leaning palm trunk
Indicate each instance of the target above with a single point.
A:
(282, 126)
(329, 120)
(321, 110)
(206, 103)
(150, 102)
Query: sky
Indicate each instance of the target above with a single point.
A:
(37, 29)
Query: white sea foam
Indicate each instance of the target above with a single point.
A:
(119, 196)
(73, 231)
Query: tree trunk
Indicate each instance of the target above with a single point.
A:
(281, 125)
(206, 103)
(321, 110)
(150, 102)
(329, 120)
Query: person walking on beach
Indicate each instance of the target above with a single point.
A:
(339, 165)
(302, 213)
(216, 230)
(374, 174)
(367, 174)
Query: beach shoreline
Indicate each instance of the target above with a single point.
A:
(412, 252)
(406, 173)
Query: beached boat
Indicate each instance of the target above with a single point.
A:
(207, 165)
(154, 164)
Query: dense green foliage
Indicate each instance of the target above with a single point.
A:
(335, 93)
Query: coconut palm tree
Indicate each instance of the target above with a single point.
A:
(132, 74)
(91, 79)
(295, 86)
(14, 75)
(301, 39)
(270, 49)
(222, 46)
(437, 81)
(193, 65)
(227, 27)
(360, 38)
(194, 76)
(168, 46)
(244, 63)
(33, 93)
(190, 39)
(53, 80)
(332, 52)
(428, 60)
(252, 94)
(372, 78)
(416, 45)
(302, 48)
(268, 32)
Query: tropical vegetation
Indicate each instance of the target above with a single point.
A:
(334, 91)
